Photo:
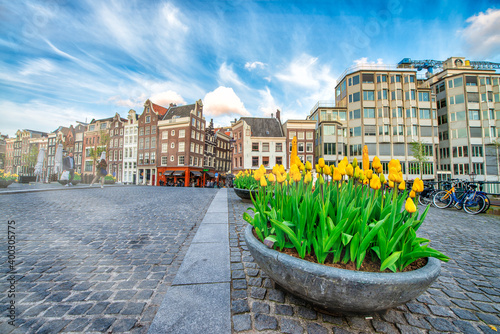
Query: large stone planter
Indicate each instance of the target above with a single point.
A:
(109, 182)
(244, 194)
(340, 289)
(5, 183)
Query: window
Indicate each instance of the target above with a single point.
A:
(367, 77)
(148, 119)
(279, 147)
(279, 160)
(103, 126)
(181, 146)
(172, 133)
(473, 97)
(368, 95)
(329, 148)
(370, 130)
(164, 161)
(292, 134)
(146, 143)
(141, 143)
(355, 132)
(141, 159)
(355, 80)
(457, 82)
(265, 161)
(255, 147)
(423, 96)
(182, 133)
(474, 114)
(172, 158)
(425, 113)
(172, 145)
(355, 114)
(181, 160)
(396, 78)
(382, 94)
(381, 78)
(265, 147)
(309, 147)
(369, 112)
(470, 81)
(255, 161)
(153, 142)
(354, 97)
(300, 147)
(309, 135)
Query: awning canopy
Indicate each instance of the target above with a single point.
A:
(195, 173)
(211, 174)
(178, 173)
(168, 172)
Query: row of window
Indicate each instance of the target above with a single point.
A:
(369, 95)
(424, 113)
(300, 135)
(397, 130)
(145, 131)
(387, 149)
(369, 78)
(257, 161)
(144, 143)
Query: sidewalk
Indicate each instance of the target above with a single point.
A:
(17, 188)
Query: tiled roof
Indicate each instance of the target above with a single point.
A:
(264, 127)
(181, 111)
(159, 109)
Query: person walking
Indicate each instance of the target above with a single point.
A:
(69, 165)
(100, 170)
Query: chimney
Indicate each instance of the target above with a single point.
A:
(278, 115)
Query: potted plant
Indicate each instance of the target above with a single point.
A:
(7, 179)
(336, 230)
(245, 184)
(109, 179)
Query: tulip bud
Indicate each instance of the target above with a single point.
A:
(337, 176)
(321, 162)
(402, 185)
(355, 163)
(308, 165)
(327, 170)
(349, 170)
(321, 180)
(412, 194)
(382, 179)
(410, 206)
(369, 174)
(263, 182)
(271, 178)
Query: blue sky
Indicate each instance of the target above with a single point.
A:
(64, 61)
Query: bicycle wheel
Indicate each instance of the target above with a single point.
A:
(442, 199)
(487, 202)
(474, 205)
(424, 200)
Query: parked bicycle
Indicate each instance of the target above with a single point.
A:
(425, 197)
(469, 200)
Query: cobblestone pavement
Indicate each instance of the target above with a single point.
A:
(96, 260)
(464, 299)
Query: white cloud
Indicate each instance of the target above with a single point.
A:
(267, 105)
(37, 67)
(252, 66)
(482, 36)
(364, 60)
(172, 15)
(223, 101)
(165, 98)
(301, 72)
(228, 76)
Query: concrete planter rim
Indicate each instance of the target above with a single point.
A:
(423, 276)
(244, 193)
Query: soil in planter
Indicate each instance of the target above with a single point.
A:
(368, 264)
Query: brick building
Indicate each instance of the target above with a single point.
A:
(115, 147)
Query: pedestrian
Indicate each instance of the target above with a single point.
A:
(69, 165)
(100, 170)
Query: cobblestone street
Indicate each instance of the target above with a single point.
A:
(464, 299)
(96, 260)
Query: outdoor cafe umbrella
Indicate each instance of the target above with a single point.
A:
(58, 167)
(39, 163)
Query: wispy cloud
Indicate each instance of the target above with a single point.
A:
(256, 64)
(228, 76)
(482, 35)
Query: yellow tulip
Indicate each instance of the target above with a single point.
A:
(369, 174)
(262, 169)
(342, 168)
(327, 170)
(349, 170)
(271, 178)
(412, 194)
(275, 169)
(318, 169)
(376, 163)
(282, 169)
(391, 184)
(366, 181)
(345, 161)
(399, 177)
(355, 163)
(337, 176)
(321, 162)
(410, 206)
(362, 175)
(375, 182)
(382, 179)
(402, 186)
(356, 172)
(418, 185)
(281, 178)
(308, 166)
(301, 167)
(308, 177)
(366, 159)
(296, 176)
(263, 182)
(257, 175)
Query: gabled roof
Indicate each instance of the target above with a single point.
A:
(159, 109)
(180, 111)
(264, 127)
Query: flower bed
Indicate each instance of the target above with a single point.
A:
(358, 214)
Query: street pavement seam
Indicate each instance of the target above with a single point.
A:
(199, 298)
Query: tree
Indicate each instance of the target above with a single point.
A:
(418, 152)
(32, 158)
(100, 146)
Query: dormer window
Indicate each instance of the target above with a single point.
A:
(148, 119)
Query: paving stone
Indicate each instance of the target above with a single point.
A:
(57, 311)
(239, 306)
(485, 307)
(238, 294)
(465, 327)
(263, 322)
(394, 317)
(101, 324)
(114, 308)
(242, 322)
(464, 314)
(384, 327)
(284, 309)
(239, 284)
(417, 308)
(253, 272)
(237, 274)
(490, 319)
(478, 296)
(465, 304)
(487, 329)
(80, 309)
(307, 313)
(441, 324)
(291, 326)
(332, 319)
(338, 330)
(258, 307)
(314, 328)
(125, 294)
(98, 308)
(443, 301)
(53, 326)
(417, 321)
(409, 330)
(360, 323)
(255, 281)
(123, 325)
(276, 295)
(440, 311)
